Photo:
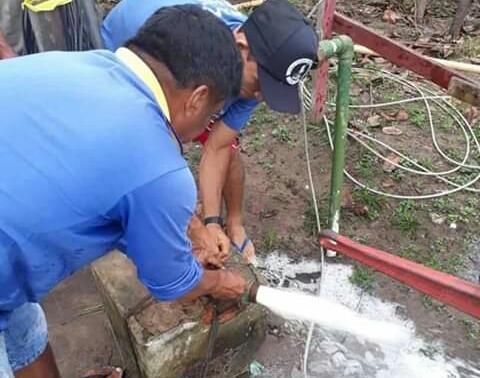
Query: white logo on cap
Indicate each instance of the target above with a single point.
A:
(298, 70)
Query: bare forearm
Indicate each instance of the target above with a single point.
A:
(212, 173)
(207, 284)
(5, 50)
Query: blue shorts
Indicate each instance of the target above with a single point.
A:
(24, 339)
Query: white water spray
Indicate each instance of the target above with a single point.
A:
(330, 315)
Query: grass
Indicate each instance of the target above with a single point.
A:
(282, 134)
(442, 258)
(397, 175)
(365, 165)
(472, 329)
(439, 256)
(271, 240)
(470, 210)
(467, 212)
(363, 277)
(410, 252)
(443, 204)
(267, 166)
(309, 218)
(476, 130)
(194, 155)
(431, 304)
(464, 177)
(427, 163)
(372, 201)
(362, 239)
(258, 142)
(392, 96)
(404, 217)
(262, 116)
(426, 301)
(469, 48)
(417, 115)
(454, 153)
(447, 124)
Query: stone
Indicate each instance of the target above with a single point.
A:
(331, 347)
(339, 359)
(353, 368)
(319, 367)
(437, 218)
(369, 358)
(296, 373)
(170, 339)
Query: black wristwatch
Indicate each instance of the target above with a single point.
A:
(216, 220)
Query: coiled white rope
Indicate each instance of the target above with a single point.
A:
(425, 95)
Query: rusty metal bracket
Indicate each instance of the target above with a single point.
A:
(446, 288)
(464, 90)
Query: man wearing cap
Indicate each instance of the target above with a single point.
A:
(91, 159)
(278, 48)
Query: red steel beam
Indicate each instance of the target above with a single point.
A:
(461, 294)
(324, 27)
(396, 52)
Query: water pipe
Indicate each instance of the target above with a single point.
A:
(342, 47)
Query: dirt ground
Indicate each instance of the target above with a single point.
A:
(442, 233)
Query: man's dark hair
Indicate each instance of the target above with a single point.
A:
(196, 46)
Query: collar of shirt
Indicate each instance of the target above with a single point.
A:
(144, 73)
(139, 67)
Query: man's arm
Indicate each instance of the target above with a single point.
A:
(212, 174)
(5, 50)
(213, 167)
(220, 284)
(155, 219)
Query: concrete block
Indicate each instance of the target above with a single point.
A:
(170, 339)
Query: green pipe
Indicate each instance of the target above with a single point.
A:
(342, 47)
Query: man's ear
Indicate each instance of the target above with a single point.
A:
(198, 101)
(241, 42)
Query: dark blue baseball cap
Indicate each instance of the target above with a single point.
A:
(285, 45)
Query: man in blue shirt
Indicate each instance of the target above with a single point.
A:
(90, 160)
(278, 48)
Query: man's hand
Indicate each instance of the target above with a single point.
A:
(205, 248)
(220, 239)
(222, 284)
(231, 285)
(5, 50)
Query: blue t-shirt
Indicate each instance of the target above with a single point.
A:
(86, 160)
(126, 18)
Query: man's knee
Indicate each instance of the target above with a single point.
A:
(236, 168)
(26, 336)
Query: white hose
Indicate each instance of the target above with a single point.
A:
(319, 228)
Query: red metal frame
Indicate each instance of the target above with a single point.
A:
(395, 52)
(321, 75)
(330, 21)
(463, 295)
